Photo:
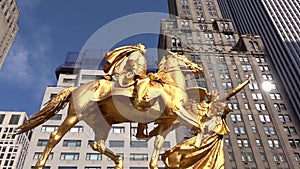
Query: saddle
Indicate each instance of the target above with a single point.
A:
(106, 87)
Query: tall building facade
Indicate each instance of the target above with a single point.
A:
(277, 22)
(13, 148)
(74, 150)
(264, 128)
(9, 15)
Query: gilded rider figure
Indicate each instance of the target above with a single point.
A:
(128, 65)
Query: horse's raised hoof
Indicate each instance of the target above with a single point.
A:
(153, 165)
(119, 163)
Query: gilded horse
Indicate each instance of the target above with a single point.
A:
(100, 104)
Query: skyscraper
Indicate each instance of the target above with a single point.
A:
(277, 22)
(9, 15)
(74, 150)
(13, 149)
(264, 128)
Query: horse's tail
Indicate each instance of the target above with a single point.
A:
(52, 107)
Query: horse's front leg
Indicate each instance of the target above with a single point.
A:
(158, 144)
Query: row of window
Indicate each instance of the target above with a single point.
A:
(262, 107)
(74, 167)
(51, 128)
(112, 143)
(92, 156)
(242, 59)
(245, 143)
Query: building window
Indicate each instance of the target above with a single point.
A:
(52, 95)
(227, 142)
(247, 157)
(269, 130)
(230, 156)
(37, 155)
(254, 129)
(267, 77)
(138, 144)
(167, 144)
(243, 59)
(76, 129)
(292, 130)
(138, 157)
(246, 68)
(258, 143)
(260, 106)
(42, 142)
(185, 24)
(72, 143)
(294, 143)
(14, 119)
(69, 156)
(56, 117)
(227, 85)
(297, 156)
(263, 156)
(243, 94)
(250, 117)
(279, 107)
(264, 118)
(242, 143)
(239, 130)
(264, 68)
(2, 116)
(254, 46)
(284, 118)
(253, 86)
(89, 77)
(273, 143)
(66, 167)
(236, 117)
(116, 143)
(275, 96)
(256, 96)
(246, 105)
(133, 130)
(92, 167)
(233, 106)
(117, 130)
(93, 156)
(260, 59)
(48, 128)
(66, 80)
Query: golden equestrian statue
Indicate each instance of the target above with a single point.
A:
(127, 94)
(105, 102)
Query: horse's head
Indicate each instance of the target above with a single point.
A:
(195, 68)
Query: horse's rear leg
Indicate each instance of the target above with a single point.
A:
(55, 137)
(100, 147)
(101, 128)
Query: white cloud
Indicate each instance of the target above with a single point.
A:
(16, 63)
(27, 57)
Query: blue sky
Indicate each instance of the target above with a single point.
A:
(49, 29)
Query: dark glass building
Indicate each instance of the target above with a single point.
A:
(278, 23)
